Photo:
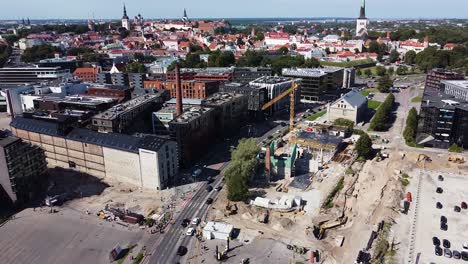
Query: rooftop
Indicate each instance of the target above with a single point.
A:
(6, 140)
(270, 80)
(463, 84)
(81, 100)
(111, 140)
(128, 106)
(435, 98)
(220, 98)
(354, 98)
(220, 227)
(321, 138)
(309, 72)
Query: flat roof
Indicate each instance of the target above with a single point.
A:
(438, 99)
(128, 106)
(7, 141)
(309, 72)
(462, 84)
(77, 99)
(221, 98)
(220, 227)
(270, 80)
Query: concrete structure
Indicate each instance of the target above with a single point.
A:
(317, 84)
(22, 168)
(257, 96)
(218, 230)
(148, 162)
(230, 111)
(362, 22)
(349, 78)
(120, 116)
(351, 106)
(457, 89)
(33, 74)
(281, 166)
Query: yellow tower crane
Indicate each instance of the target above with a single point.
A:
(292, 96)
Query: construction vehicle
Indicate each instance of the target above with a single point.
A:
(230, 209)
(459, 160)
(422, 159)
(319, 230)
(292, 95)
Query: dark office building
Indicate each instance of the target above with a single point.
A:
(318, 84)
(22, 167)
(22, 75)
(435, 76)
(257, 96)
(133, 80)
(443, 119)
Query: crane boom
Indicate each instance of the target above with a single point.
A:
(279, 97)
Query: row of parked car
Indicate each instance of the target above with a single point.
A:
(443, 248)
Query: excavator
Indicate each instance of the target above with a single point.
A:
(319, 230)
(292, 95)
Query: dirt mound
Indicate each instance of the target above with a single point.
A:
(280, 224)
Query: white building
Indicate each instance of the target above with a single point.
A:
(362, 22)
(457, 89)
(351, 106)
(217, 230)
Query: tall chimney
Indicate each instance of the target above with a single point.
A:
(178, 91)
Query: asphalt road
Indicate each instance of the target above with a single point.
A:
(166, 246)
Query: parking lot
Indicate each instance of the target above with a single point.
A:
(35, 236)
(428, 220)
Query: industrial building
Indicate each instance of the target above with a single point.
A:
(119, 117)
(318, 84)
(147, 162)
(84, 103)
(22, 168)
(190, 88)
(351, 106)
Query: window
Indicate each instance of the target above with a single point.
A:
(71, 164)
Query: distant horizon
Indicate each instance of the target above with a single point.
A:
(244, 9)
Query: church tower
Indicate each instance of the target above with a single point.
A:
(362, 22)
(125, 19)
(185, 17)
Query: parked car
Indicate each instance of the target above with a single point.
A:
(195, 221)
(457, 208)
(436, 241)
(209, 201)
(439, 190)
(456, 254)
(181, 251)
(190, 231)
(443, 226)
(464, 255)
(185, 223)
(447, 253)
(441, 178)
(439, 205)
(219, 188)
(446, 243)
(464, 205)
(443, 219)
(209, 188)
(438, 251)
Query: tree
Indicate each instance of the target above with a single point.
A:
(374, 47)
(394, 56)
(390, 71)
(225, 59)
(139, 57)
(455, 148)
(327, 50)
(283, 50)
(402, 70)
(410, 57)
(367, 72)
(250, 58)
(411, 126)
(135, 67)
(380, 70)
(124, 34)
(259, 36)
(240, 169)
(363, 146)
(40, 52)
(380, 121)
(311, 63)
(384, 84)
(358, 72)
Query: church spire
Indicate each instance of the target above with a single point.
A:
(362, 13)
(125, 12)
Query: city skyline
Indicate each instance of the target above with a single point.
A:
(107, 9)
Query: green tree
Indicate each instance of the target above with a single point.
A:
(358, 72)
(283, 50)
(259, 36)
(390, 71)
(135, 67)
(384, 84)
(363, 146)
(394, 56)
(37, 53)
(380, 121)
(455, 148)
(367, 72)
(411, 126)
(380, 70)
(402, 70)
(410, 57)
(374, 47)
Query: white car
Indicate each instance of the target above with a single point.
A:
(190, 231)
(195, 221)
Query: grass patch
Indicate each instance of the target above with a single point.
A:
(416, 99)
(373, 104)
(367, 91)
(329, 201)
(413, 144)
(454, 148)
(347, 64)
(358, 132)
(349, 171)
(138, 258)
(316, 115)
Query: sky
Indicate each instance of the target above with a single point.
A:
(112, 9)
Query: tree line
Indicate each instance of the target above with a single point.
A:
(381, 118)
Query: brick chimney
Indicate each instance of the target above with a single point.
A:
(179, 106)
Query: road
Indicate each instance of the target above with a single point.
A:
(165, 246)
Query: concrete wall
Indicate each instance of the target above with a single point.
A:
(347, 112)
(150, 170)
(5, 177)
(122, 166)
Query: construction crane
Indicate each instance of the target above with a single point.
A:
(291, 92)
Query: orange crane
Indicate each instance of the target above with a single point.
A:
(292, 96)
